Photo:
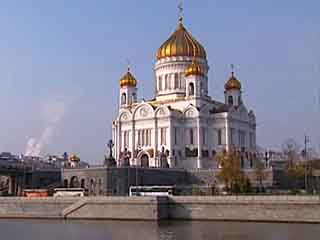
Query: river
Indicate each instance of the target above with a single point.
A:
(116, 230)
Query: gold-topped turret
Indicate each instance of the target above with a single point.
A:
(233, 83)
(74, 158)
(194, 69)
(128, 80)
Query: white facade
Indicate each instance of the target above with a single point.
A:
(182, 118)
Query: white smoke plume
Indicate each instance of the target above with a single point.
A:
(53, 113)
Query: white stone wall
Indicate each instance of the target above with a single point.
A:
(145, 117)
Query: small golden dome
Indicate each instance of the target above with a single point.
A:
(181, 43)
(194, 69)
(233, 83)
(74, 158)
(128, 80)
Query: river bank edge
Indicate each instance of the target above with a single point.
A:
(278, 209)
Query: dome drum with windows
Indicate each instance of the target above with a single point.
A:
(128, 80)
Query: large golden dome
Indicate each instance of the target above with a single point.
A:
(233, 83)
(128, 80)
(181, 43)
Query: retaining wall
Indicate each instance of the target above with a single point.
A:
(246, 208)
(304, 209)
(15, 207)
(118, 208)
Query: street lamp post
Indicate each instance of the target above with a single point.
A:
(306, 141)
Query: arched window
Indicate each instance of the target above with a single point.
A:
(166, 78)
(219, 137)
(123, 98)
(176, 81)
(182, 82)
(230, 100)
(134, 97)
(191, 89)
(191, 136)
(160, 83)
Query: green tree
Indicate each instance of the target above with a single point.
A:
(231, 173)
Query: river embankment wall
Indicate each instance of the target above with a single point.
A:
(295, 209)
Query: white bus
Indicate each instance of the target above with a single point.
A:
(69, 192)
(151, 190)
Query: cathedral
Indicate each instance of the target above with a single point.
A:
(182, 123)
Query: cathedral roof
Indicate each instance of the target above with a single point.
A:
(128, 80)
(221, 109)
(181, 43)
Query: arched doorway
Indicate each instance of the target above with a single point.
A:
(92, 187)
(144, 160)
(65, 183)
(83, 183)
(74, 182)
(99, 186)
(191, 89)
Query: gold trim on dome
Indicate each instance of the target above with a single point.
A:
(233, 83)
(128, 80)
(181, 43)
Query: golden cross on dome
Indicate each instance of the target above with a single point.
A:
(180, 7)
(232, 68)
(128, 64)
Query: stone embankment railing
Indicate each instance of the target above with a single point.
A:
(217, 208)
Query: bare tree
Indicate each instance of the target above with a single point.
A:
(295, 168)
(291, 150)
(259, 171)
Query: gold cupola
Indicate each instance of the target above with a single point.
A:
(194, 69)
(181, 43)
(128, 80)
(233, 83)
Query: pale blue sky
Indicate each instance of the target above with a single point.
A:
(61, 61)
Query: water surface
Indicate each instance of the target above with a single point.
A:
(116, 230)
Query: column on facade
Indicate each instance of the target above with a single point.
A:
(169, 142)
(133, 143)
(19, 189)
(155, 144)
(227, 135)
(116, 144)
(119, 141)
(199, 164)
(12, 185)
(115, 140)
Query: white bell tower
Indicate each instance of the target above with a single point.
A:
(128, 89)
(232, 91)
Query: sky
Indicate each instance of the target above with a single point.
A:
(60, 63)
